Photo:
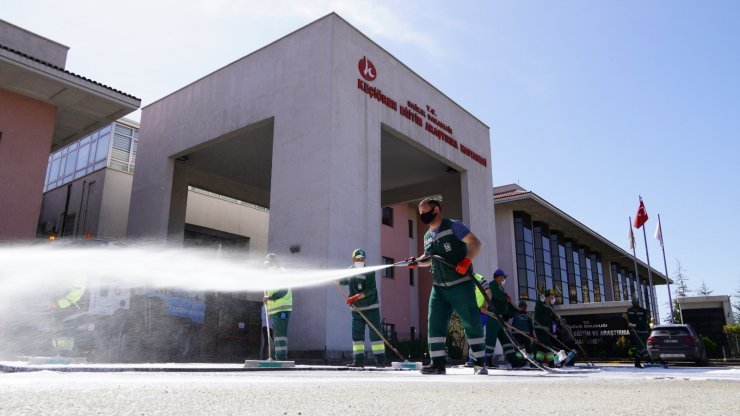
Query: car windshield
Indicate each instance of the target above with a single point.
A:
(679, 330)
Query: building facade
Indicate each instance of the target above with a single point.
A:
(42, 107)
(317, 144)
(708, 315)
(594, 280)
(324, 128)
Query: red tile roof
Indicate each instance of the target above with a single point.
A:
(510, 194)
(65, 71)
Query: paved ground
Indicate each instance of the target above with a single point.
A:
(616, 390)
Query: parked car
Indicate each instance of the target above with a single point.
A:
(678, 342)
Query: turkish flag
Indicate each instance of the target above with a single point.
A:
(642, 215)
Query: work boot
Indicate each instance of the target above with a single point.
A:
(469, 364)
(637, 364)
(434, 368)
(355, 365)
(481, 371)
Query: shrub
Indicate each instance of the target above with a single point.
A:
(710, 346)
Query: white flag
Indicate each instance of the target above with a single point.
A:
(659, 233)
(632, 239)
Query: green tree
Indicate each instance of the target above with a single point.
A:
(704, 290)
(736, 304)
(681, 289)
(681, 281)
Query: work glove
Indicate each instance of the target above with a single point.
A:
(463, 266)
(624, 315)
(508, 298)
(412, 263)
(352, 299)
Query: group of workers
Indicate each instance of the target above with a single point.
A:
(485, 310)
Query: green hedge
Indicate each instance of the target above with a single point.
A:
(732, 332)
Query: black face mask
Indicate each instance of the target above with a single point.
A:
(428, 216)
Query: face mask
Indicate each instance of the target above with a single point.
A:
(359, 264)
(552, 301)
(503, 282)
(427, 217)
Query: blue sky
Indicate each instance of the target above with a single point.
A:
(590, 103)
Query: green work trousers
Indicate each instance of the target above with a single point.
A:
(280, 334)
(358, 337)
(460, 298)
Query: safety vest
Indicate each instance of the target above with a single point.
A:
(282, 304)
(74, 295)
(444, 243)
(479, 298)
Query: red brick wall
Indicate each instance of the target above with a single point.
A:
(27, 127)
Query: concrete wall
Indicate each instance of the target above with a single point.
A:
(32, 44)
(217, 214)
(704, 302)
(325, 187)
(26, 129)
(471, 193)
(115, 204)
(84, 195)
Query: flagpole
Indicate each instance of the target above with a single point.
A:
(634, 257)
(656, 315)
(665, 264)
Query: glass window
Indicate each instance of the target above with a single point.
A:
(616, 286)
(525, 264)
(69, 163)
(600, 278)
(574, 272)
(387, 216)
(388, 271)
(587, 277)
(559, 267)
(82, 157)
(54, 170)
(102, 150)
(624, 280)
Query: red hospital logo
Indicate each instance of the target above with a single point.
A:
(367, 69)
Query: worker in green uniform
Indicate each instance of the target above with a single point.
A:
(501, 305)
(63, 311)
(544, 318)
(279, 304)
(480, 300)
(523, 322)
(637, 319)
(363, 294)
(452, 289)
